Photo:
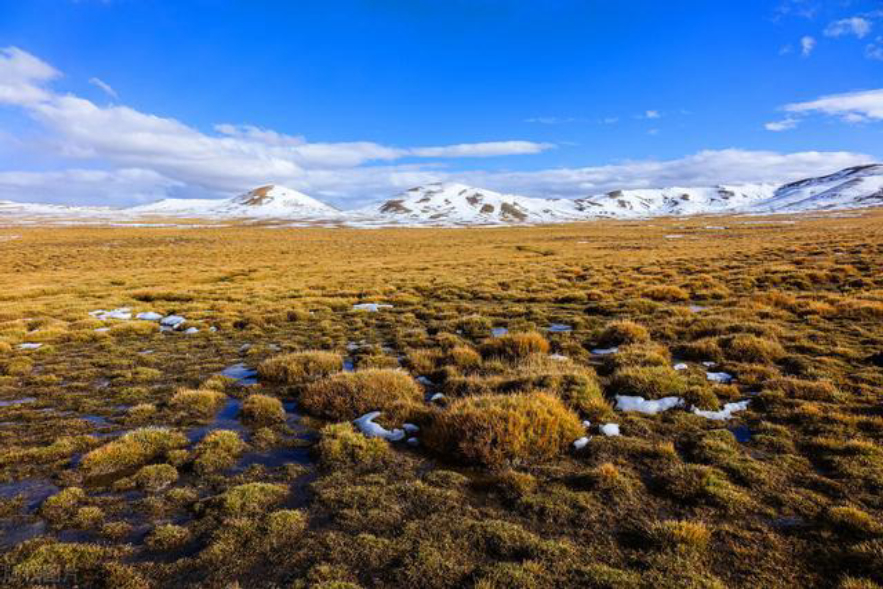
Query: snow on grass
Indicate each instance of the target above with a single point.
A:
(121, 314)
(373, 430)
(647, 407)
(681, 366)
(148, 316)
(723, 414)
(721, 377)
(172, 321)
(437, 397)
(558, 357)
(371, 307)
(604, 351)
(29, 346)
(610, 429)
(581, 443)
(191, 330)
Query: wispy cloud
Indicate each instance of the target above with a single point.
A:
(104, 86)
(807, 45)
(856, 26)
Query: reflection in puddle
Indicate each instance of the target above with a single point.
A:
(559, 328)
(21, 401)
(225, 419)
(743, 433)
(242, 374)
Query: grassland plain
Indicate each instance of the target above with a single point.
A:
(127, 460)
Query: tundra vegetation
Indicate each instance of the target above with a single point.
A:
(229, 457)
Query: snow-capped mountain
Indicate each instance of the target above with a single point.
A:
(675, 201)
(861, 186)
(451, 203)
(270, 201)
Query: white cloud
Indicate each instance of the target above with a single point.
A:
(156, 156)
(783, 125)
(652, 114)
(807, 44)
(22, 76)
(875, 50)
(857, 26)
(487, 149)
(852, 107)
(104, 86)
(93, 187)
(706, 168)
(235, 158)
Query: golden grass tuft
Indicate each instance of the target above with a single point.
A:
(300, 367)
(134, 449)
(495, 430)
(349, 395)
(516, 346)
(262, 411)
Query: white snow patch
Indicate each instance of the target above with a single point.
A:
(708, 364)
(723, 414)
(148, 316)
(610, 429)
(29, 346)
(681, 366)
(437, 397)
(191, 330)
(373, 430)
(581, 443)
(647, 407)
(605, 351)
(121, 314)
(371, 307)
(721, 377)
(172, 321)
(558, 357)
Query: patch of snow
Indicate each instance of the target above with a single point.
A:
(681, 366)
(425, 381)
(581, 443)
(172, 321)
(610, 429)
(373, 430)
(191, 330)
(723, 414)
(709, 364)
(721, 377)
(437, 397)
(587, 424)
(674, 236)
(558, 357)
(29, 346)
(371, 307)
(605, 351)
(148, 316)
(121, 314)
(647, 407)
(102, 330)
(696, 308)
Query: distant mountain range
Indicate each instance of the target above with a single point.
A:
(452, 204)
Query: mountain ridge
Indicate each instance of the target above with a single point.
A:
(457, 204)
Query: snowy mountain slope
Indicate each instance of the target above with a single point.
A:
(451, 203)
(857, 187)
(270, 201)
(674, 201)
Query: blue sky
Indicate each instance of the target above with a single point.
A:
(123, 101)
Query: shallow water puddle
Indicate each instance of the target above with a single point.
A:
(242, 374)
(743, 433)
(33, 491)
(559, 328)
(14, 402)
(225, 419)
(499, 331)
